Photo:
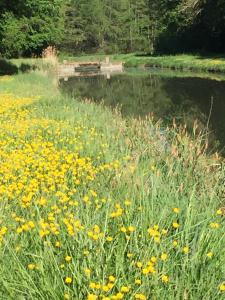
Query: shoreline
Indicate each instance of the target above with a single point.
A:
(184, 62)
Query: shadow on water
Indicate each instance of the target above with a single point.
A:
(184, 98)
(8, 68)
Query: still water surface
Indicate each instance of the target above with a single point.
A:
(166, 95)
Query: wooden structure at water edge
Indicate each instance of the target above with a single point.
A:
(71, 68)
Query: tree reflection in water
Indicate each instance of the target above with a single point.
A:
(184, 98)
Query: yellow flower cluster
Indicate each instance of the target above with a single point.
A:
(56, 216)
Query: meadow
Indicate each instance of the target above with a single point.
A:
(97, 207)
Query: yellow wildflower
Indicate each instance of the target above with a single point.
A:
(140, 297)
(92, 297)
(139, 264)
(214, 225)
(58, 244)
(153, 259)
(123, 229)
(176, 210)
(127, 202)
(175, 225)
(112, 278)
(119, 296)
(209, 254)
(164, 256)
(131, 228)
(109, 239)
(31, 266)
(68, 280)
(186, 250)
(138, 281)
(87, 271)
(165, 278)
(42, 201)
(222, 287)
(68, 258)
(175, 243)
(130, 255)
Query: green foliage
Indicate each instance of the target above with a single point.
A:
(191, 25)
(29, 26)
(108, 26)
(13, 32)
(145, 26)
(104, 26)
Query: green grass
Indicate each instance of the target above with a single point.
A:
(176, 62)
(40, 63)
(169, 73)
(27, 65)
(132, 175)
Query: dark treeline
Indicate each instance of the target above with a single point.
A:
(78, 26)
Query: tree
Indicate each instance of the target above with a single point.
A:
(208, 26)
(14, 35)
(77, 26)
(139, 26)
(109, 26)
(29, 26)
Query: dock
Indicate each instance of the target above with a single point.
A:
(67, 69)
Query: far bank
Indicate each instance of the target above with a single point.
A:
(186, 62)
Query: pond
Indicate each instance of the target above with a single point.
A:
(165, 94)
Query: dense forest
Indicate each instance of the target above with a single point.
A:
(122, 26)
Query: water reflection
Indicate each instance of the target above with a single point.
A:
(140, 93)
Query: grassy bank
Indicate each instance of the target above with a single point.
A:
(175, 62)
(25, 65)
(96, 207)
(169, 73)
(187, 63)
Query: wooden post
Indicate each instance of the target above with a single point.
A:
(107, 59)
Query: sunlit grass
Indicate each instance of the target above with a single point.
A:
(180, 62)
(97, 207)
